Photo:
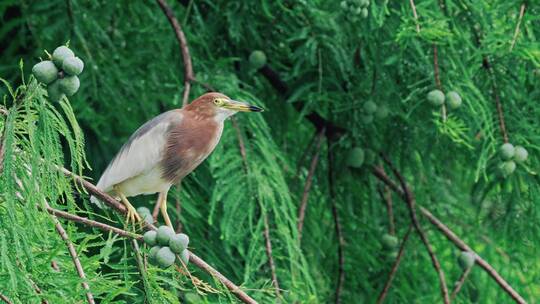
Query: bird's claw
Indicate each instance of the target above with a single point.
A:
(132, 215)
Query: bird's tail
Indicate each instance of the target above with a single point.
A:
(96, 201)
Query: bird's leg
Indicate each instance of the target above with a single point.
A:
(132, 215)
(162, 201)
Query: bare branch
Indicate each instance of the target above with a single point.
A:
(339, 233)
(460, 282)
(516, 32)
(307, 185)
(5, 299)
(479, 260)
(415, 16)
(395, 267)
(268, 245)
(197, 261)
(92, 223)
(188, 67)
(386, 196)
(410, 200)
(63, 234)
(437, 77)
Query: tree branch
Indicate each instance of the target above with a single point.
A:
(194, 259)
(386, 196)
(415, 16)
(307, 185)
(339, 234)
(460, 282)
(410, 200)
(5, 299)
(395, 267)
(188, 67)
(516, 32)
(63, 234)
(479, 260)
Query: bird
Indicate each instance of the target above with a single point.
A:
(166, 149)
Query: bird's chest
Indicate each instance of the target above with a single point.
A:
(187, 147)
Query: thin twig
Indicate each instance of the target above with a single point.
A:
(142, 268)
(395, 267)
(410, 200)
(92, 223)
(460, 282)
(188, 67)
(80, 271)
(438, 78)
(307, 185)
(5, 299)
(479, 260)
(386, 196)
(307, 151)
(415, 16)
(516, 32)
(268, 245)
(339, 234)
(266, 232)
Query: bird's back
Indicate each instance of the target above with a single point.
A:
(142, 152)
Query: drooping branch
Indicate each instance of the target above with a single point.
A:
(5, 299)
(460, 282)
(436, 73)
(339, 233)
(386, 196)
(80, 271)
(415, 14)
(307, 185)
(395, 267)
(479, 260)
(520, 18)
(410, 200)
(188, 67)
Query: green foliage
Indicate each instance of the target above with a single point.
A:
(344, 66)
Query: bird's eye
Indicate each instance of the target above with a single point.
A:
(217, 101)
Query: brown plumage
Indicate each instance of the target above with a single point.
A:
(167, 148)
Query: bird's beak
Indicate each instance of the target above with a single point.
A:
(240, 106)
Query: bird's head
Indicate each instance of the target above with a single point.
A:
(219, 106)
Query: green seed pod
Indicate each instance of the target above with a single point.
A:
(178, 243)
(45, 71)
(389, 241)
(365, 13)
(355, 157)
(60, 54)
(165, 257)
(436, 97)
(257, 59)
(364, 3)
(454, 100)
(343, 4)
(164, 234)
(149, 238)
(73, 66)
(147, 218)
(366, 118)
(466, 259)
(520, 154)
(370, 156)
(508, 167)
(54, 92)
(392, 255)
(69, 85)
(370, 107)
(143, 210)
(382, 112)
(184, 256)
(152, 254)
(507, 151)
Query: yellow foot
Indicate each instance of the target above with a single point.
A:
(132, 215)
